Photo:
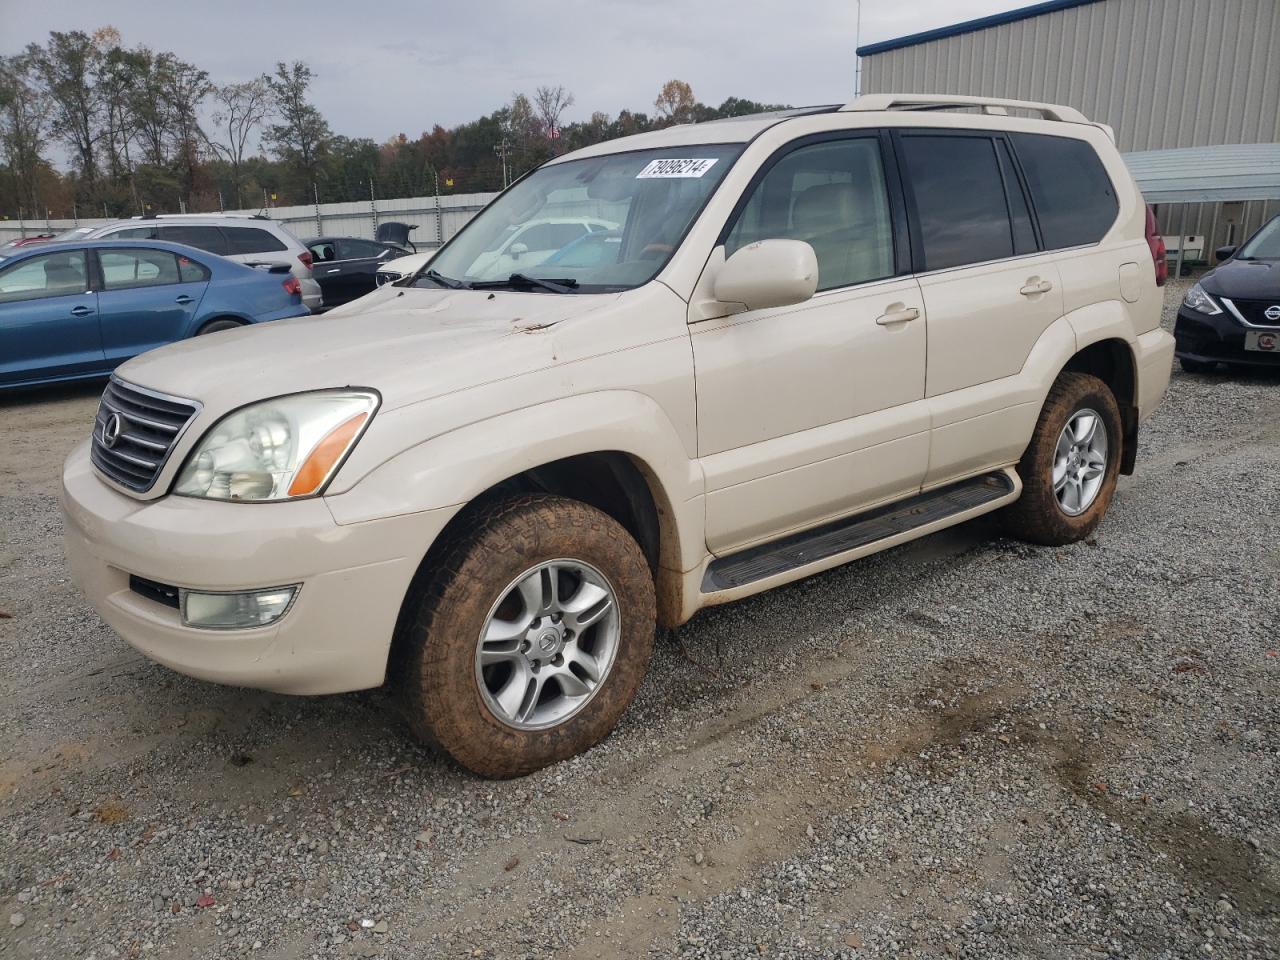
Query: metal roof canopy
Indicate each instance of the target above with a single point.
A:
(971, 26)
(1234, 171)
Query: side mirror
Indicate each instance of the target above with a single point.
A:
(768, 273)
(518, 250)
(1224, 253)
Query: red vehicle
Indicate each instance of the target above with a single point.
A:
(27, 241)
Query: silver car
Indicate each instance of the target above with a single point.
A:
(245, 239)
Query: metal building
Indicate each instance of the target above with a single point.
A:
(1163, 73)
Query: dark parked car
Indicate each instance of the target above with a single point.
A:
(347, 267)
(72, 311)
(1233, 314)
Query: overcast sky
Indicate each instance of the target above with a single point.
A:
(396, 66)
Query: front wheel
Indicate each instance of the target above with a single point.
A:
(1069, 469)
(531, 640)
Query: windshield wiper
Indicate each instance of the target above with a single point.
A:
(444, 281)
(558, 285)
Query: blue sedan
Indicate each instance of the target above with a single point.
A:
(72, 311)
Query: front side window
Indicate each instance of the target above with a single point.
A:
(49, 275)
(832, 196)
(959, 199)
(127, 269)
(200, 237)
(645, 198)
(1073, 196)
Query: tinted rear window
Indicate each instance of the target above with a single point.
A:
(252, 240)
(1073, 196)
(959, 199)
(202, 238)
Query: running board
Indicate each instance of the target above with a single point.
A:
(861, 530)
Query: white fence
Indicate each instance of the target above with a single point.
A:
(358, 219)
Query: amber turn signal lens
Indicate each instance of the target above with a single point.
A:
(327, 452)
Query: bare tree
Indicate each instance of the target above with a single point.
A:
(551, 103)
(675, 103)
(241, 109)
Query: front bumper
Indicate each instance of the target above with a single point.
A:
(1217, 338)
(336, 636)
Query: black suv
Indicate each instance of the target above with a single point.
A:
(1233, 314)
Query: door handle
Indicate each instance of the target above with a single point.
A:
(1034, 286)
(897, 313)
(182, 298)
(334, 270)
(81, 311)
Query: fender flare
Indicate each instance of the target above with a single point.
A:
(451, 469)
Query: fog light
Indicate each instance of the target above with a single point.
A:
(236, 611)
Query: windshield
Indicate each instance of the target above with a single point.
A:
(1265, 244)
(599, 224)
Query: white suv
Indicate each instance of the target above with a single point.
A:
(813, 335)
(245, 239)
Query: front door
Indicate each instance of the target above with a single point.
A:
(48, 319)
(815, 411)
(148, 298)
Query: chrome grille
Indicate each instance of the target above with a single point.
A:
(135, 431)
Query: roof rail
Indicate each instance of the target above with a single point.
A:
(991, 105)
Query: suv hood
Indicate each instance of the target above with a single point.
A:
(1244, 279)
(408, 344)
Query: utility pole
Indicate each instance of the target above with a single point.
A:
(315, 192)
(501, 150)
(373, 203)
(857, 60)
(221, 208)
(439, 215)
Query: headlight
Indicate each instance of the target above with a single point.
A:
(278, 449)
(1199, 301)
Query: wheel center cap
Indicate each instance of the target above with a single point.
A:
(548, 640)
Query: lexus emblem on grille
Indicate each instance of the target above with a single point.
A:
(112, 427)
(1272, 312)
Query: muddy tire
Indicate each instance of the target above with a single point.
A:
(1069, 469)
(530, 640)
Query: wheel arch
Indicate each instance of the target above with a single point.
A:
(221, 315)
(1111, 360)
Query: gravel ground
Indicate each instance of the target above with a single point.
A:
(965, 747)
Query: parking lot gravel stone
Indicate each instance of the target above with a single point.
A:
(964, 747)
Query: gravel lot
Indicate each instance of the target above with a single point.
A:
(964, 747)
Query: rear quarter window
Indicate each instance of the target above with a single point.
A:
(200, 237)
(243, 240)
(1074, 198)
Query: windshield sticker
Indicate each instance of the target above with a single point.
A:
(659, 169)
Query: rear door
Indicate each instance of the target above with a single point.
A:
(48, 318)
(147, 298)
(989, 292)
(359, 261)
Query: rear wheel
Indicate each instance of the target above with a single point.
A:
(213, 326)
(531, 640)
(1069, 470)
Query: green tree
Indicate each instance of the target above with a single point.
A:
(23, 120)
(300, 137)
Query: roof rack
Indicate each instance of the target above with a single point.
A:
(990, 105)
